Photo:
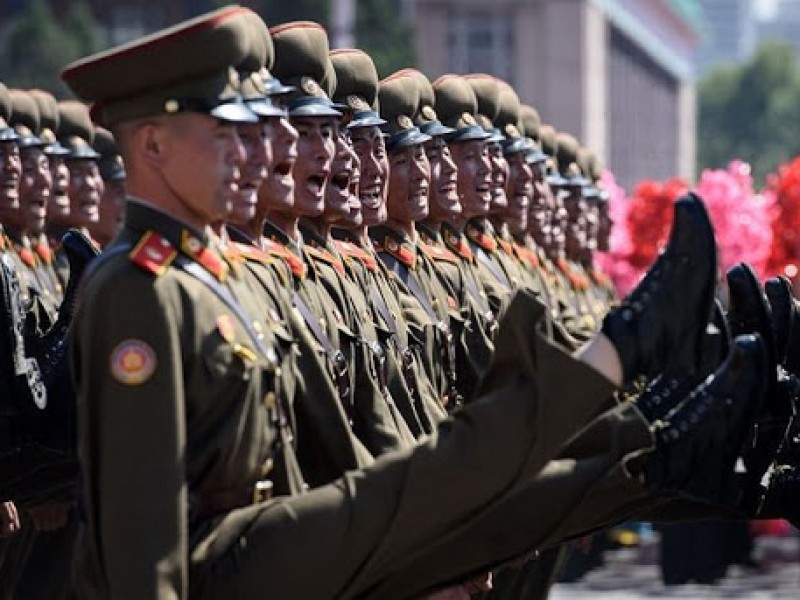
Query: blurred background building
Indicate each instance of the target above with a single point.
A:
(618, 74)
(729, 32)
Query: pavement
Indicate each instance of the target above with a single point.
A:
(633, 573)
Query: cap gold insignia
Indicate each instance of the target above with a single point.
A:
(171, 106)
(468, 118)
(511, 130)
(309, 86)
(132, 362)
(356, 103)
(392, 245)
(428, 112)
(404, 122)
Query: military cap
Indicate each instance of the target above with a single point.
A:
(24, 118)
(7, 133)
(508, 106)
(398, 97)
(529, 121)
(567, 155)
(188, 67)
(301, 59)
(587, 161)
(487, 93)
(48, 122)
(110, 162)
(253, 71)
(456, 105)
(547, 137)
(356, 86)
(425, 117)
(272, 86)
(75, 129)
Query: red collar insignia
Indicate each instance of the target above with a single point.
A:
(153, 253)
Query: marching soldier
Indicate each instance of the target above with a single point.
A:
(112, 200)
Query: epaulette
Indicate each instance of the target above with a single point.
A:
(25, 255)
(435, 252)
(399, 251)
(458, 245)
(250, 252)
(353, 251)
(153, 253)
(294, 262)
(505, 246)
(203, 255)
(326, 257)
(529, 255)
(483, 240)
(45, 252)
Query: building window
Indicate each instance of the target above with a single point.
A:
(482, 43)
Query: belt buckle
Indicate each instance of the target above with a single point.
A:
(262, 491)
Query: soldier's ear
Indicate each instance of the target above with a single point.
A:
(150, 143)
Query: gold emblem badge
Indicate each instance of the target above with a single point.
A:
(171, 106)
(404, 122)
(468, 118)
(357, 103)
(428, 112)
(132, 362)
(391, 245)
(310, 87)
(511, 130)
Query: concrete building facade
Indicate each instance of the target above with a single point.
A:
(617, 74)
(729, 32)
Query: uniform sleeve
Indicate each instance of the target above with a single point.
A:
(128, 369)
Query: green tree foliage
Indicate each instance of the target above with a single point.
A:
(383, 34)
(751, 111)
(35, 45)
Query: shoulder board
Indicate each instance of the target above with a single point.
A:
(294, 262)
(438, 253)
(153, 253)
(325, 256)
(45, 252)
(250, 252)
(353, 251)
(26, 255)
(506, 247)
(405, 255)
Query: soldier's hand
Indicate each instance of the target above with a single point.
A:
(9, 519)
(49, 517)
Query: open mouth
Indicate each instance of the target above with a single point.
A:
(370, 196)
(316, 183)
(341, 180)
(284, 168)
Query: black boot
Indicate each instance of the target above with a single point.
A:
(699, 442)
(664, 393)
(659, 328)
(750, 312)
(781, 302)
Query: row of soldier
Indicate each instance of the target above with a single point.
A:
(319, 269)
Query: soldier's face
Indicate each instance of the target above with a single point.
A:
(10, 173)
(500, 174)
(34, 189)
(520, 192)
(474, 177)
(58, 207)
(112, 211)
(443, 199)
(252, 173)
(315, 148)
(369, 146)
(85, 190)
(409, 178)
(198, 159)
(277, 190)
(343, 184)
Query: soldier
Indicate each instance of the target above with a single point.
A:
(430, 305)
(356, 91)
(187, 364)
(112, 200)
(302, 55)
